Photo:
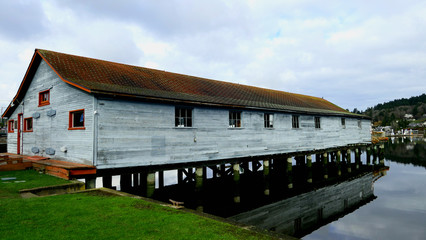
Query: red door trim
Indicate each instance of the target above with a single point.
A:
(19, 132)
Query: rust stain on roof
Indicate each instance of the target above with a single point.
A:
(114, 78)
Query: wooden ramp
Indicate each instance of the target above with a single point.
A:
(62, 169)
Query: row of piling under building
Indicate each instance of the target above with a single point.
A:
(273, 176)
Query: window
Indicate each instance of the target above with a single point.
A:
(76, 120)
(269, 120)
(317, 122)
(183, 117)
(234, 119)
(295, 121)
(44, 98)
(11, 126)
(359, 123)
(343, 122)
(28, 124)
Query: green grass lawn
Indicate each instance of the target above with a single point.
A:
(24, 180)
(91, 216)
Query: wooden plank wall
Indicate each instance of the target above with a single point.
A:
(52, 131)
(138, 134)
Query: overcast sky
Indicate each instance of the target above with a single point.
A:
(353, 53)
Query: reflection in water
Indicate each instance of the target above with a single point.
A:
(408, 151)
(306, 212)
(399, 211)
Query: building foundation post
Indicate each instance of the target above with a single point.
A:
(236, 173)
(135, 180)
(160, 179)
(289, 172)
(348, 160)
(368, 152)
(90, 182)
(199, 177)
(125, 182)
(339, 170)
(309, 168)
(324, 165)
(357, 158)
(266, 163)
(150, 184)
(107, 181)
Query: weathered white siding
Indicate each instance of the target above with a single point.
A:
(52, 131)
(139, 133)
(136, 133)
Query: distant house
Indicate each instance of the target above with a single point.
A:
(408, 116)
(112, 115)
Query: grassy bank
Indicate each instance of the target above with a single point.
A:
(89, 216)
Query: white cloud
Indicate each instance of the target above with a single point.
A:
(352, 53)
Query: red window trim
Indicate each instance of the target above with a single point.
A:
(25, 124)
(40, 98)
(70, 118)
(11, 126)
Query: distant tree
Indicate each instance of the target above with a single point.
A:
(403, 123)
(415, 111)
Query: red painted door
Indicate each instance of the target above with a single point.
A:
(19, 142)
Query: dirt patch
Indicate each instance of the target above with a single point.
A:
(100, 193)
(140, 205)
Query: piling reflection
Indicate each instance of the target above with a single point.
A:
(301, 214)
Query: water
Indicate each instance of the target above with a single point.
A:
(399, 211)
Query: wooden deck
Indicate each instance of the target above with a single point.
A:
(62, 169)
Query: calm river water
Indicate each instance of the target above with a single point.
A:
(399, 211)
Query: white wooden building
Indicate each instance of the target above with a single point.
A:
(112, 115)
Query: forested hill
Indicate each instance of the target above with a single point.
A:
(393, 112)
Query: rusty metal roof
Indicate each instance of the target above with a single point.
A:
(104, 77)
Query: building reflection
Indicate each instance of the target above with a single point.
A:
(303, 213)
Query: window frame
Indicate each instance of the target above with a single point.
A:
(42, 102)
(71, 120)
(343, 122)
(295, 121)
(235, 117)
(268, 122)
(188, 121)
(11, 126)
(317, 121)
(26, 124)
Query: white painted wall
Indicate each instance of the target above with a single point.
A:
(52, 132)
(140, 133)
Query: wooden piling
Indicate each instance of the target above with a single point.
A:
(266, 177)
(150, 184)
(348, 160)
(236, 175)
(107, 181)
(199, 177)
(160, 179)
(90, 182)
(289, 172)
(339, 170)
(125, 182)
(309, 168)
(324, 165)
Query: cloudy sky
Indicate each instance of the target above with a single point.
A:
(353, 53)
